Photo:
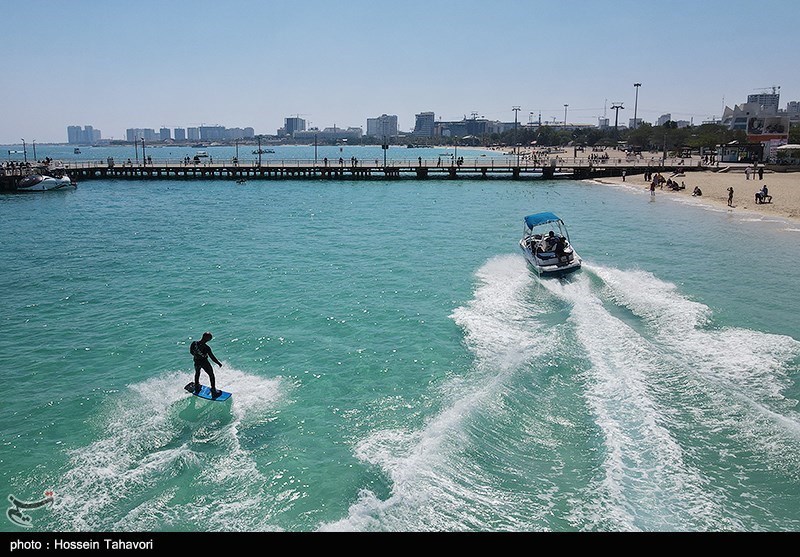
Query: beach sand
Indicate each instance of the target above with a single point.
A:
(784, 187)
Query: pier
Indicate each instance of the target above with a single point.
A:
(419, 169)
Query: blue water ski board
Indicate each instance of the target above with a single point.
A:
(205, 392)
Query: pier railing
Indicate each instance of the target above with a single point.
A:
(547, 166)
(431, 163)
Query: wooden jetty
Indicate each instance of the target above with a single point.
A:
(420, 169)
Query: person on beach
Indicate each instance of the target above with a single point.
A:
(762, 195)
(201, 352)
(697, 192)
(653, 188)
(747, 173)
(730, 196)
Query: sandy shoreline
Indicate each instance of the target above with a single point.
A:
(784, 188)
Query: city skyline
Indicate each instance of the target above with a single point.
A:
(252, 64)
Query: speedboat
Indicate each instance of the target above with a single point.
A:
(201, 154)
(42, 182)
(263, 151)
(546, 246)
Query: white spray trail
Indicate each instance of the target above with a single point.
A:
(746, 371)
(645, 482)
(156, 440)
(426, 491)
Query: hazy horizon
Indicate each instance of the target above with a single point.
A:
(251, 64)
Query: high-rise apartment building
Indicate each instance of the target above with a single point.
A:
(767, 101)
(291, 125)
(137, 134)
(74, 134)
(86, 136)
(164, 134)
(180, 134)
(382, 126)
(424, 125)
(212, 133)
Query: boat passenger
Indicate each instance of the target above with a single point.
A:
(560, 246)
(551, 241)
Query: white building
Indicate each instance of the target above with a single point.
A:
(663, 119)
(329, 134)
(382, 126)
(768, 102)
(425, 123)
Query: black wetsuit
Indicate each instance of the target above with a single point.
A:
(201, 355)
(560, 246)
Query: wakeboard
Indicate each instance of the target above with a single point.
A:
(205, 392)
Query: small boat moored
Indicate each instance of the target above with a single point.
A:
(546, 246)
(42, 182)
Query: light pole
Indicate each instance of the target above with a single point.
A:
(136, 150)
(516, 113)
(616, 107)
(565, 115)
(34, 149)
(259, 151)
(636, 105)
(144, 159)
(24, 151)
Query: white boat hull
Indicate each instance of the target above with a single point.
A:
(551, 265)
(546, 246)
(45, 183)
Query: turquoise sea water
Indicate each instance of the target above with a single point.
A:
(394, 365)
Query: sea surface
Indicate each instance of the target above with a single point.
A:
(394, 364)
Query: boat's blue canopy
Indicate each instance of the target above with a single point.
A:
(541, 218)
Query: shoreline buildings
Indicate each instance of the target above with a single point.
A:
(83, 136)
(763, 121)
(202, 133)
(382, 126)
(760, 117)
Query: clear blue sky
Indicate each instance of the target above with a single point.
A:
(117, 64)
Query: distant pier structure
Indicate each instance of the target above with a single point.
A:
(477, 168)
